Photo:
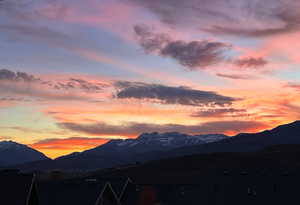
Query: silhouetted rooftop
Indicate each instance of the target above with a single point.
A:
(15, 188)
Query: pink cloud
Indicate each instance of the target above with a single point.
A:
(282, 48)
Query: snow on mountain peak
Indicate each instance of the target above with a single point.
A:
(161, 135)
(169, 139)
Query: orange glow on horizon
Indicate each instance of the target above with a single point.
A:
(54, 148)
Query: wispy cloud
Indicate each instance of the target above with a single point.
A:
(251, 18)
(287, 17)
(23, 86)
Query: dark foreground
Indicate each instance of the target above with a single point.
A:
(271, 176)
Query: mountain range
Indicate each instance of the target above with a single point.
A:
(118, 152)
(154, 146)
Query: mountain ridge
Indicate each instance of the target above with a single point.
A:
(248, 142)
(12, 153)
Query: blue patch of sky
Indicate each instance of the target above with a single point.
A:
(25, 116)
(291, 75)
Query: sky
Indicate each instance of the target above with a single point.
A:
(76, 74)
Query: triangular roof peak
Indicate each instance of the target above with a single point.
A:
(108, 194)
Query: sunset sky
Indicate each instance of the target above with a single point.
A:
(75, 74)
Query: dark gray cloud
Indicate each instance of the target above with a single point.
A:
(192, 55)
(151, 42)
(196, 54)
(134, 129)
(236, 76)
(251, 62)
(250, 18)
(170, 95)
(224, 112)
(9, 75)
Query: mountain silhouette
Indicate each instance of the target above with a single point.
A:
(12, 153)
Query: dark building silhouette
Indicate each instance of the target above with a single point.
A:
(119, 184)
(108, 196)
(17, 189)
(130, 193)
(222, 188)
(90, 191)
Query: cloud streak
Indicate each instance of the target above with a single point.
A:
(134, 129)
(236, 76)
(226, 112)
(170, 95)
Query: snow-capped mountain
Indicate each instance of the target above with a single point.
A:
(168, 140)
(14, 153)
(148, 146)
(150, 142)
